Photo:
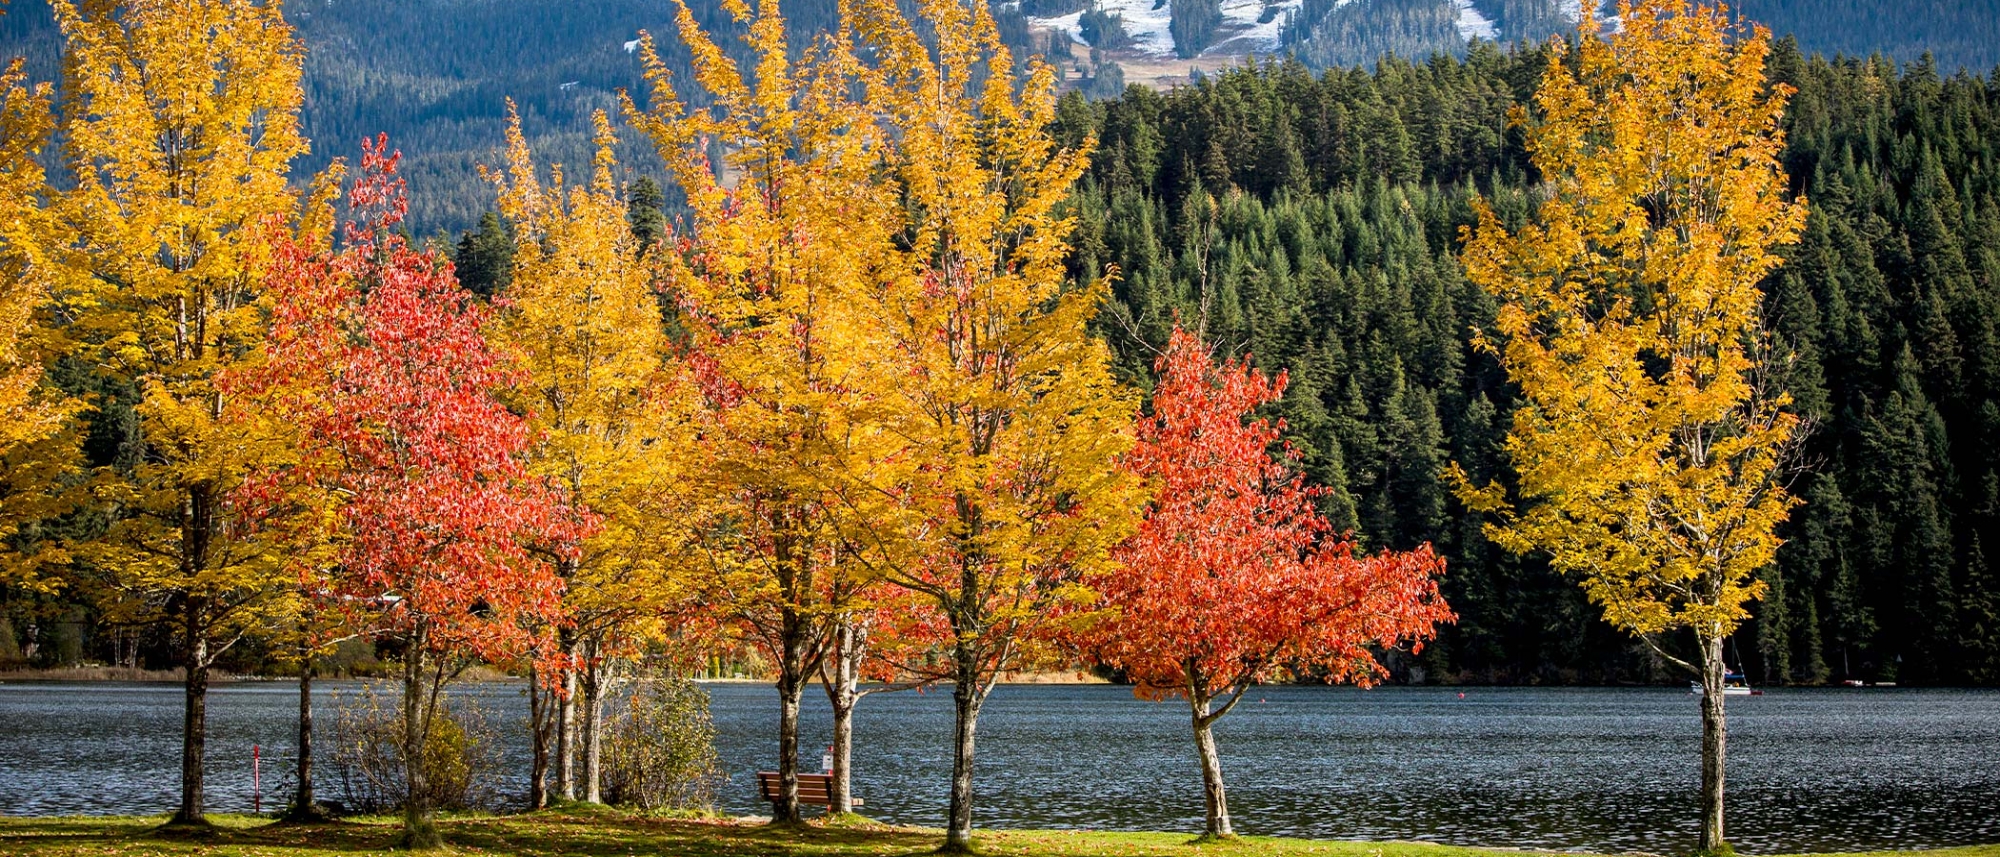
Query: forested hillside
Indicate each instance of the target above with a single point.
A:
(435, 74)
(1317, 217)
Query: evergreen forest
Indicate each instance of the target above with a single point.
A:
(1313, 221)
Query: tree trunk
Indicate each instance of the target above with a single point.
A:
(791, 686)
(965, 699)
(1214, 799)
(304, 800)
(842, 695)
(566, 727)
(840, 788)
(305, 806)
(194, 723)
(593, 721)
(419, 819)
(539, 728)
(1714, 740)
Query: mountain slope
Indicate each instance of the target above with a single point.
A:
(436, 74)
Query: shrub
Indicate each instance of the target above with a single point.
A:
(462, 755)
(659, 752)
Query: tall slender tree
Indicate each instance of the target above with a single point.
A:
(1649, 443)
(1008, 423)
(580, 317)
(180, 124)
(774, 277)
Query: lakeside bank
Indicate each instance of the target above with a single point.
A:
(594, 831)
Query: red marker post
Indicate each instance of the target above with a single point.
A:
(256, 781)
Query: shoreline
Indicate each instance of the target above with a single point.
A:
(581, 828)
(484, 675)
(79, 675)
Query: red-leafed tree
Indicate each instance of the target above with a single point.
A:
(1234, 577)
(378, 357)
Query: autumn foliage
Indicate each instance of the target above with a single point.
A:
(178, 126)
(852, 407)
(773, 275)
(1651, 442)
(1234, 577)
(386, 372)
(607, 411)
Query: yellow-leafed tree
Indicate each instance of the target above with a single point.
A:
(1649, 445)
(609, 413)
(26, 413)
(1007, 494)
(180, 123)
(784, 243)
(30, 413)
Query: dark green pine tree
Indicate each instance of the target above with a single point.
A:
(485, 257)
(1907, 529)
(1193, 25)
(644, 210)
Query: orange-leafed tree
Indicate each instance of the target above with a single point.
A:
(1234, 577)
(397, 397)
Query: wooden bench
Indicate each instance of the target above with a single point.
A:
(813, 788)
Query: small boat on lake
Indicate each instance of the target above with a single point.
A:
(1733, 684)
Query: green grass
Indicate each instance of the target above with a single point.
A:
(597, 832)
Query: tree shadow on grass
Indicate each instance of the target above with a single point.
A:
(607, 834)
(587, 832)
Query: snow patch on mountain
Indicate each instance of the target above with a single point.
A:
(1474, 25)
(1147, 22)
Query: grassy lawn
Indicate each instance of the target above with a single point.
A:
(610, 834)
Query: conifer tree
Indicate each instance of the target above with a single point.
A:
(484, 258)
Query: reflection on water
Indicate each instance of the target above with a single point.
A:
(1596, 769)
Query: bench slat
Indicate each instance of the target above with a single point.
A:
(813, 788)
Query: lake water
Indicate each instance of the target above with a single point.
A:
(1587, 769)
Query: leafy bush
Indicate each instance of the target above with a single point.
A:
(659, 752)
(462, 755)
